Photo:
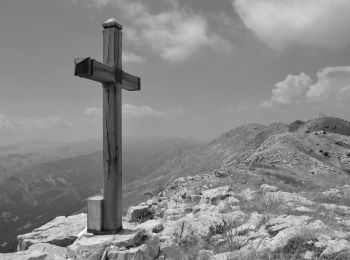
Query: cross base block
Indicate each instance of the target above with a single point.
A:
(94, 214)
(95, 217)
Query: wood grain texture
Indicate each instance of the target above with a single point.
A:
(130, 82)
(112, 141)
(92, 69)
(94, 215)
(113, 79)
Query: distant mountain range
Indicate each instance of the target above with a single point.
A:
(42, 179)
(54, 179)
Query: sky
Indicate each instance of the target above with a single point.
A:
(206, 66)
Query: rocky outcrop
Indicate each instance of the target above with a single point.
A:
(62, 231)
(42, 251)
(193, 220)
(127, 244)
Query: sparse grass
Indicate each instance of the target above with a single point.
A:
(319, 197)
(265, 205)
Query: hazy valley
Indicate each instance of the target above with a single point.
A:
(40, 180)
(300, 159)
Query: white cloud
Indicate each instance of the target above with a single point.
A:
(132, 57)
(292, 89)
(307, 22)
(175, 33)
(146, 111)
(332, 87)
(30, 123)
(93, 111)
(131, 111)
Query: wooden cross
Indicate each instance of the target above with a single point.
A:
(105, 214)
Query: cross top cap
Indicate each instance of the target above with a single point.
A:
(110, 23)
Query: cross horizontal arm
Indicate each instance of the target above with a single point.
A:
(91, 69)
(130, 82)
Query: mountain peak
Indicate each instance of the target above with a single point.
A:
(328, 124)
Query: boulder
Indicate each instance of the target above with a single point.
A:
(137, 213)
(93, 247)
(281, 222)
(335, 247)
(49, 249)
(247, 194)
(254, 220)
(173, 252)
(152, 225)
(148, 250)
(267, 187)
(62, 231)
(213, 196)
(175, 210)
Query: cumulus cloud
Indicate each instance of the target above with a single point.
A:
(93, 111)
(332, 87)
(175, 33)
(131, 57)
(131, 111)
(286, 22)
(289, 90)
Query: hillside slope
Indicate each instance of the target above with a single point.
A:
(294, 153)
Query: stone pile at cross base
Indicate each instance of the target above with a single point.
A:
(199, 217)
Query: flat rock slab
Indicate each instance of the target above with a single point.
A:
(62, 231)
(49, 248)
(30, 255)
(94, 247)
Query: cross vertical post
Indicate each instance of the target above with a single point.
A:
(112, 129)
(105, 213)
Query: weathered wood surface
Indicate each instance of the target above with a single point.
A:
(110, 23)
(91, 69)
(94, 216)
(111, 75)
(131, 82)
(112, 134)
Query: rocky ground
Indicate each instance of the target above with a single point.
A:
(220, 214)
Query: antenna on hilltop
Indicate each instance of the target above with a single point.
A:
(321, 115)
